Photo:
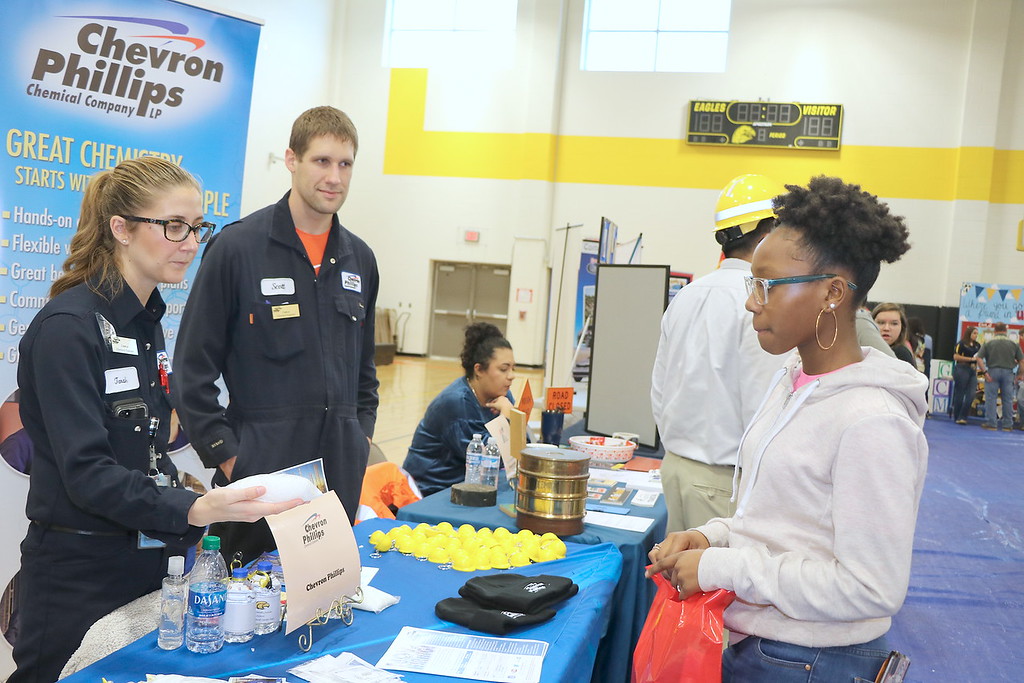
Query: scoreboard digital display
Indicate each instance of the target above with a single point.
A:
(792, 125)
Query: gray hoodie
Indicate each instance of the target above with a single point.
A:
(818, 552)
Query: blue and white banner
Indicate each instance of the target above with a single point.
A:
(992, 303)
(982, 305)
(86, 84)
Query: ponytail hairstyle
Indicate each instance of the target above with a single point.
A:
(124, 190)
(481, 341)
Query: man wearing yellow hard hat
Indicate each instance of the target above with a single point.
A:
(710, 372)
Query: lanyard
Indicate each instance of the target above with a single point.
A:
(160, 478)
(155, 474)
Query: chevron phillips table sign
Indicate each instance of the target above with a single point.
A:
(319, 556)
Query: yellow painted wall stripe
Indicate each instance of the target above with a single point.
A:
(978, 173)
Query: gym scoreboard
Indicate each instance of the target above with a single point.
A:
(791, 125)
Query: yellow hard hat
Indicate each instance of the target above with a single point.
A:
(744, 202)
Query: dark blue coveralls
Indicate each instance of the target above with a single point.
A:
(89, 490)
(295, 349)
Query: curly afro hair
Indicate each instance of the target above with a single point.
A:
(481, 341)
(842, 225)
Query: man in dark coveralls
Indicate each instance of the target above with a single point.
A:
(283, 307)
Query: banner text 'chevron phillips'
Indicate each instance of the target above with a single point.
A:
(108, 65)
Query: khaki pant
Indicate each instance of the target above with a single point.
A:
(695, 492)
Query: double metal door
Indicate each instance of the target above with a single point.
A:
(466, 293)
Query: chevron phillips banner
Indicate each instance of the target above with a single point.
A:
(86, 84)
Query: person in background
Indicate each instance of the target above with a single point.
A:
(965, 374)
(1000, 359)
(1020, 403)
(93, 385)
(708, 357)
(921, 344)
(15, 444)
(818, 551)
(868, 334)
(892, 323)
(283, 307)
(437, 454)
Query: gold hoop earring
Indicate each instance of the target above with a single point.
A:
(835, 334)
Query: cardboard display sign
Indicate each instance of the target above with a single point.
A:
(319, 556)
(559, 398)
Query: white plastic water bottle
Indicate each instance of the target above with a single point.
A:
(171, 633)
(474, 454)
(204, 630)
(268, 598)
(239, 608)
(490, 464)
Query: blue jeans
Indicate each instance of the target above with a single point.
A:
(965, 384)
(1002, 381)
(759, 660)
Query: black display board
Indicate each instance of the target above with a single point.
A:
(629, 303)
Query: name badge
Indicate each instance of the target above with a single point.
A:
(270, 286)
(124, 345)
(121, 379)
(351, 281)
(284, 311)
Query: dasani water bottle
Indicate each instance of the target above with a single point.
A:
(204, 630)
(474, 454)
(490, 464)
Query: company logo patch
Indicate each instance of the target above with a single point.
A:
(535, 587)
(351, 281)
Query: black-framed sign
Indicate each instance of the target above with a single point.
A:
(792, 125)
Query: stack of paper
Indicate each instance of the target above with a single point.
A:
(345, 668)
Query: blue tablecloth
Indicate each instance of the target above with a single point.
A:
(633, 594)
(572, 634)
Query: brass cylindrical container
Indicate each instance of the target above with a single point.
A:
(552, 492)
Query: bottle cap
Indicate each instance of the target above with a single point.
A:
(211, 542)
(477, 436)
(239, 573)
(264, 565)
(175, 565)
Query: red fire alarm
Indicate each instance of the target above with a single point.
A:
(472, 235)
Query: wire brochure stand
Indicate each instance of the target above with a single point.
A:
(339, 609)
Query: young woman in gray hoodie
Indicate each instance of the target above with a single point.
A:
(832, 464)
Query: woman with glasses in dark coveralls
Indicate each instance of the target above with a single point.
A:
(104, 502)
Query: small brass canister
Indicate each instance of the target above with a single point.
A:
(552, 493)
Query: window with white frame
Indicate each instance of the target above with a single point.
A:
(656, 35)
(437, 33)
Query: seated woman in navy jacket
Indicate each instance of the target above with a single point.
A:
(437, 455)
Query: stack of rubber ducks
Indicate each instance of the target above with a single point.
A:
(467, 548)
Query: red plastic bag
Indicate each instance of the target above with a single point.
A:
(681, 640)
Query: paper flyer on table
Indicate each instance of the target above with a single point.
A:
(628, 523)
(478, 658)
(318, 554)
(500, 430)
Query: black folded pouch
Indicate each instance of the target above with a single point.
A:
(496, 621)
(518, 593)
